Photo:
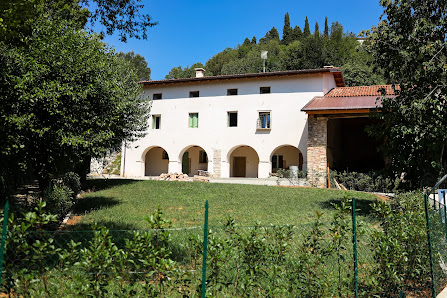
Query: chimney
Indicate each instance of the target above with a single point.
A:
(200, 72)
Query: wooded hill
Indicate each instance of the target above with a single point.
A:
(297, 49)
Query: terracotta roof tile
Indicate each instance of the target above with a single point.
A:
(361, 91)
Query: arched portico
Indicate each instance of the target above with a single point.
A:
(192, 159)
(285, 156)
(156, 161)
(244, 162)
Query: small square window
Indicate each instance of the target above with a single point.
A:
(193, 93)
(156, 121)
(165, 155)
(232, 119)
(193, 120)
(231, 91)
(264, 121)
(264, 90)
(157, 96)
(203, 158)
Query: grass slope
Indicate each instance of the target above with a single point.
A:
(123, 204)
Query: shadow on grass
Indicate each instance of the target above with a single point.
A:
(363, 207)
(101, 184)
(115, 228)
(88, 204)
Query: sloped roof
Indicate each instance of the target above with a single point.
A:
(374, 90)
(334, 70)
(349, 99)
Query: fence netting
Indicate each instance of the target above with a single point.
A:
(437, 211)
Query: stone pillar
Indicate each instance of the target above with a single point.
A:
(316, 151)
(217, 162)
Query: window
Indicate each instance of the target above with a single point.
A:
(193, 93)
(231, 91)
(203, 158)
(165, 155)
(156, 121)
(156, 96)
(193, 120)
(264, 121)
(264, 90)
(232, 119)
(277, 162)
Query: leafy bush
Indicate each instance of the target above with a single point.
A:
(59, 199)
(73, 181)
(400, 246)
(370, 182)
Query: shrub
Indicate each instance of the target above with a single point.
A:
(59, 199)
(374, 181)
(73, 181)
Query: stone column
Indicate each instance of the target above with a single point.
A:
(316, 151)
(217, 162)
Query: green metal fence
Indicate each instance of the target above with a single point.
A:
(321, 259)
(436, 211)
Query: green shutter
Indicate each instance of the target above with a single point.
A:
(190, 120)
(196, 120)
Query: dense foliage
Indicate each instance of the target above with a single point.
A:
(373, 181)
(307, 261)
(296, 49)
(410, 45)
(64, 95)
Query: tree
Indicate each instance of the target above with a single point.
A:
(410, 45)
(187, 72)
(287, 30)
(317, 30)
(65, 96)
(139, 64)
(326, 29)
(297, 34)
(17, 17)
(273, 34)
(253, 40)
(214, 65)
(306, 31)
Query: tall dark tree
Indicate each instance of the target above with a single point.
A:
(247, 42)
(306, 32)
(317, 30)
(287, 33)
(326, 29)
(410, 45)
(297, 34)
(138, 63)
(273, 34)
(253, 40)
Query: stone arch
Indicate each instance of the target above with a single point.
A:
(285, 156)
(193, 159)
(244, 161)
(156, 161)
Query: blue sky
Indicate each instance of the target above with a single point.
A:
(193, 31)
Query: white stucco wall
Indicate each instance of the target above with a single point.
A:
(154, 162)
(288, 124)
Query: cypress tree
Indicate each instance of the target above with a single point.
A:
(247, 42)
(253, 40)
(326, 29)
(287, 30)
(297, 34)
(306, 32)
(317, 30)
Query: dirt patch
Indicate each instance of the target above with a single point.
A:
(180, 208)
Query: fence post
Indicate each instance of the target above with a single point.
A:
(205, 246)
(445, 213)
(2, 245)
(427, 218)
(354, 242)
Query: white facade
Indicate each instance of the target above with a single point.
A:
(243, 150)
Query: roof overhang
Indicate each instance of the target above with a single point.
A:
(338, 77)
(343, 105)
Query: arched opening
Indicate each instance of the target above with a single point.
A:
(286, 156)
(156, 162)
(194, 159)
(244, 162)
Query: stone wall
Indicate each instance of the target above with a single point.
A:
(216, 163)
(316, 151)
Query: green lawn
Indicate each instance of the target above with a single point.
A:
(123, 204)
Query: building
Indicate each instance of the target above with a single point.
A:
(245, 125)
